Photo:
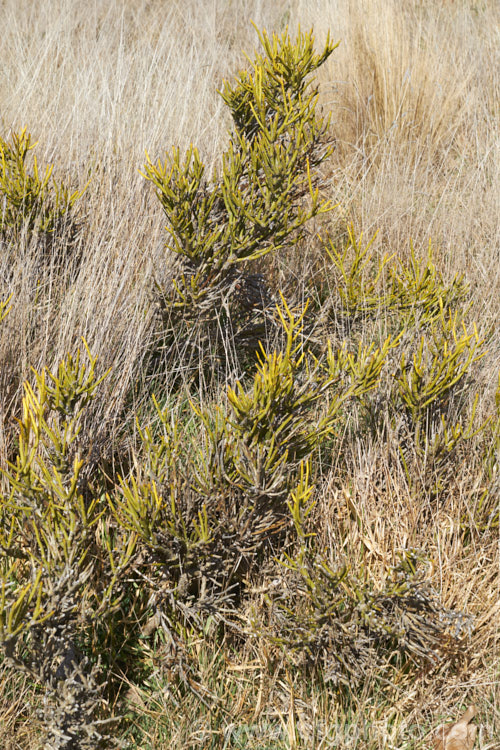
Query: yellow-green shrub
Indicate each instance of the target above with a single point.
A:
(258, 202)
(58, 567)
(32, 201)
(365, 286)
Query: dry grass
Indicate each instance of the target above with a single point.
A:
(414, 90)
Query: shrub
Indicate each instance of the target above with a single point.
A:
(32, 202)
(408, 294)
(258, 203)
(324, 613)
(207, 512)
(52, 552)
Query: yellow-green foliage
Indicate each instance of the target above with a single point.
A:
(412, 293)
(199, 518)
(50, 589)
(442, 360)
(331, 615)
(208, 512)
(4, 310)
(273, 93)
(487, 513)
(281, 408)
(31, 200)
(259, 201)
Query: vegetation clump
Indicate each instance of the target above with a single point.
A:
(211, 539)
(255, 204)
(32, 202)
(49, 539)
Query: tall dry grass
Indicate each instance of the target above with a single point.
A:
(414, 91)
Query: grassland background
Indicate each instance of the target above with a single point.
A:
(414, 91)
